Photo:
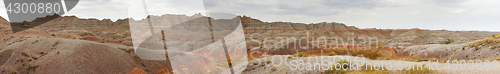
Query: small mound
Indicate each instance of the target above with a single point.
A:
(58, 56)
(92, 38)
(480, 49)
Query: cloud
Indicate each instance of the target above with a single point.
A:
(428, 14)
(100, 9)
(449, 3)
(366, 4)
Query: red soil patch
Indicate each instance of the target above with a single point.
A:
(138, 71)
(163, 71)
(254, 54)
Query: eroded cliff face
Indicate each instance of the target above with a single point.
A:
(120, 31)
(250, 23)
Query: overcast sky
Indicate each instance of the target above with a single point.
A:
(392, 14)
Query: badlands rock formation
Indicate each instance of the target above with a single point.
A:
(74, 45)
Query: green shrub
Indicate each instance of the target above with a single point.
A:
(273, 69)
(31, 67)
(13, 72)
(262, 64)
(493, 47)
(448, 41)
(142, 63)
(268, 61)
(24, 54)
(41, 52)
(329, 54)
(344, 63)
(301, 54)
(415, 58)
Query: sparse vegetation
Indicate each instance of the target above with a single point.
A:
(268, 61)
(31, 67)
(300, 54)
(57, 42)
(493, 47)
(35, 41)
(142, 63)
(42, 52)
(344, 62)
(329, 54)
(57, 52)
(487, 41)
(54, 46)
(24, 54)
(128, 50)
(497, 36)
(137, 59)
(262, 64)
(13, 72)
(415, 58)
(273, 69)
(448, 41)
